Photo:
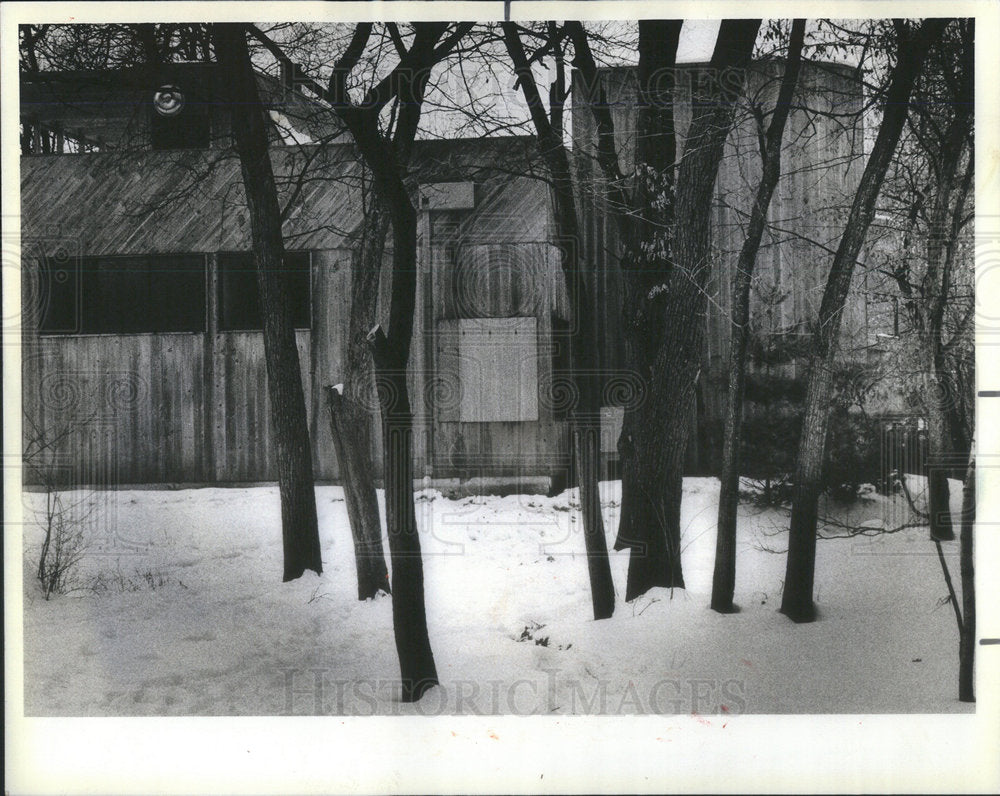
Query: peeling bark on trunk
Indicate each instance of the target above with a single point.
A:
(724, 576)
(300, 531)
(797, 601)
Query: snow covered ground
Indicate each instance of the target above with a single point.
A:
(180, 610)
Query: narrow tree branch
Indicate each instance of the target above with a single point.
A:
(951, 588)
(397, 40)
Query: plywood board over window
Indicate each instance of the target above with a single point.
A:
(498, 369)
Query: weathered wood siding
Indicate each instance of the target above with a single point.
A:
(201, 413)
(153, 408)
(193, 407)
(117, 408)
(495, 263)
(138, 409)
(181, 201)
(821, 163)
(243, 438)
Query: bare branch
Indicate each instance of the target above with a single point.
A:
(397, 40)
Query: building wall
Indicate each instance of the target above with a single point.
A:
(111, 409)
(193, 406)
(181, 407)
(496, 290)
(114, 110)
(822, 160)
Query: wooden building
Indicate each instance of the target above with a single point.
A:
(143, 362)
(822, 160)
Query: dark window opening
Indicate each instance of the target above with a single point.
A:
(125, 295)
(55, 290)
(239, 299)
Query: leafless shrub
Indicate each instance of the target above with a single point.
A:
(62, 518)
(118, 582)
(63, 545)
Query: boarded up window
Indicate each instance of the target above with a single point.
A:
(239, 299)
(498, 369)
(127, 295)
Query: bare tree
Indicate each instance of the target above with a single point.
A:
(110, 46)
(724, 577)
(936, 210)
(664, 223)
(348, 404)
(300, 532)
(929, 201)
(350, 421)
(912, 47)
(585, 420)
(387, 155)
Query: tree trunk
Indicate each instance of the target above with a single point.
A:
(938, 462)
(724, 576)
(586, 459)
(665, 283)
(387, 159)
(651, 468)
(350, 418)
(654, 557)
(391, 354)
(349, 429)
(585, 425)
(797, 602)
(585, 419)
(300, 531)
(409, 618)
(967, 635)
(940, 252)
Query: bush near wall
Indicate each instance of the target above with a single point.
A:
(771, 428)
